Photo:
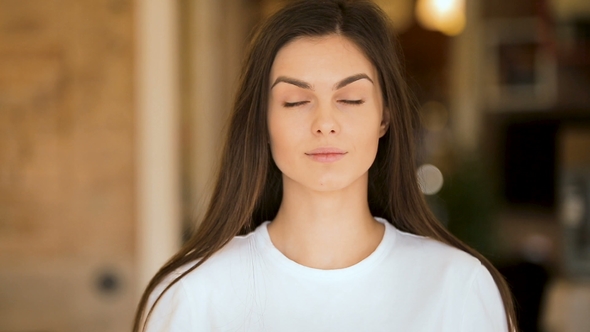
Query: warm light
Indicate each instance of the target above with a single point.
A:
(430, 179)
(446, 16)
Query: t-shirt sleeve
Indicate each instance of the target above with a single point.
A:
(483, 309)
(173, 311)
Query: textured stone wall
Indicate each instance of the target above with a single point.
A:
(66, 165)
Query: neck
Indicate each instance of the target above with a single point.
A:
(325, 230)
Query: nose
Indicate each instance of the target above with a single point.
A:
(325, 122)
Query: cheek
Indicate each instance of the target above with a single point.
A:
(281, 134)
(277, 145)
(281, 151)
(368, 142)
(366, 137)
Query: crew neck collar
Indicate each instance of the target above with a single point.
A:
(269, 251)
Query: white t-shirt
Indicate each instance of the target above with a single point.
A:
(409, 283)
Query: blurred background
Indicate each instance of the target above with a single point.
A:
(112, 115)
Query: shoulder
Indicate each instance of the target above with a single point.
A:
(443, 269)
(231, 256)
(434, 252)
(230, 260)
(482, 307)
(432, 264)
(187, 291)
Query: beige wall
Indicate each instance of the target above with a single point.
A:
(157, 85)
(66, 164)
(90, 147)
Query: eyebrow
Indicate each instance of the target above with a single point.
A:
(305, 85)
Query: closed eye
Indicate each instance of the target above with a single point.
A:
(295, 104)
(352, 102)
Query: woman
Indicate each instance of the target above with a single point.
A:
(317, 222)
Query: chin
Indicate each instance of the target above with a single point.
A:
(333, 183)
(326, 180)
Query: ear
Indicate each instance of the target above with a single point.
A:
(385, 121)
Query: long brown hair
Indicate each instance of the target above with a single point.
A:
(248, 189)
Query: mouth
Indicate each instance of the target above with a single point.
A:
(326, 155)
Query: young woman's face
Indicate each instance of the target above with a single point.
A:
(325, 113)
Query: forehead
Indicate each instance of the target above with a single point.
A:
(316, 57)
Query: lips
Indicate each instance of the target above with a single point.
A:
(326, 155)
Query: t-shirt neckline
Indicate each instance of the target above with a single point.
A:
(269, 251)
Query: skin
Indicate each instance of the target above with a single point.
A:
(325, 94)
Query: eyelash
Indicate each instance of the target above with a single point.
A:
(349, 102)
(353, 102)
(295, 104)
